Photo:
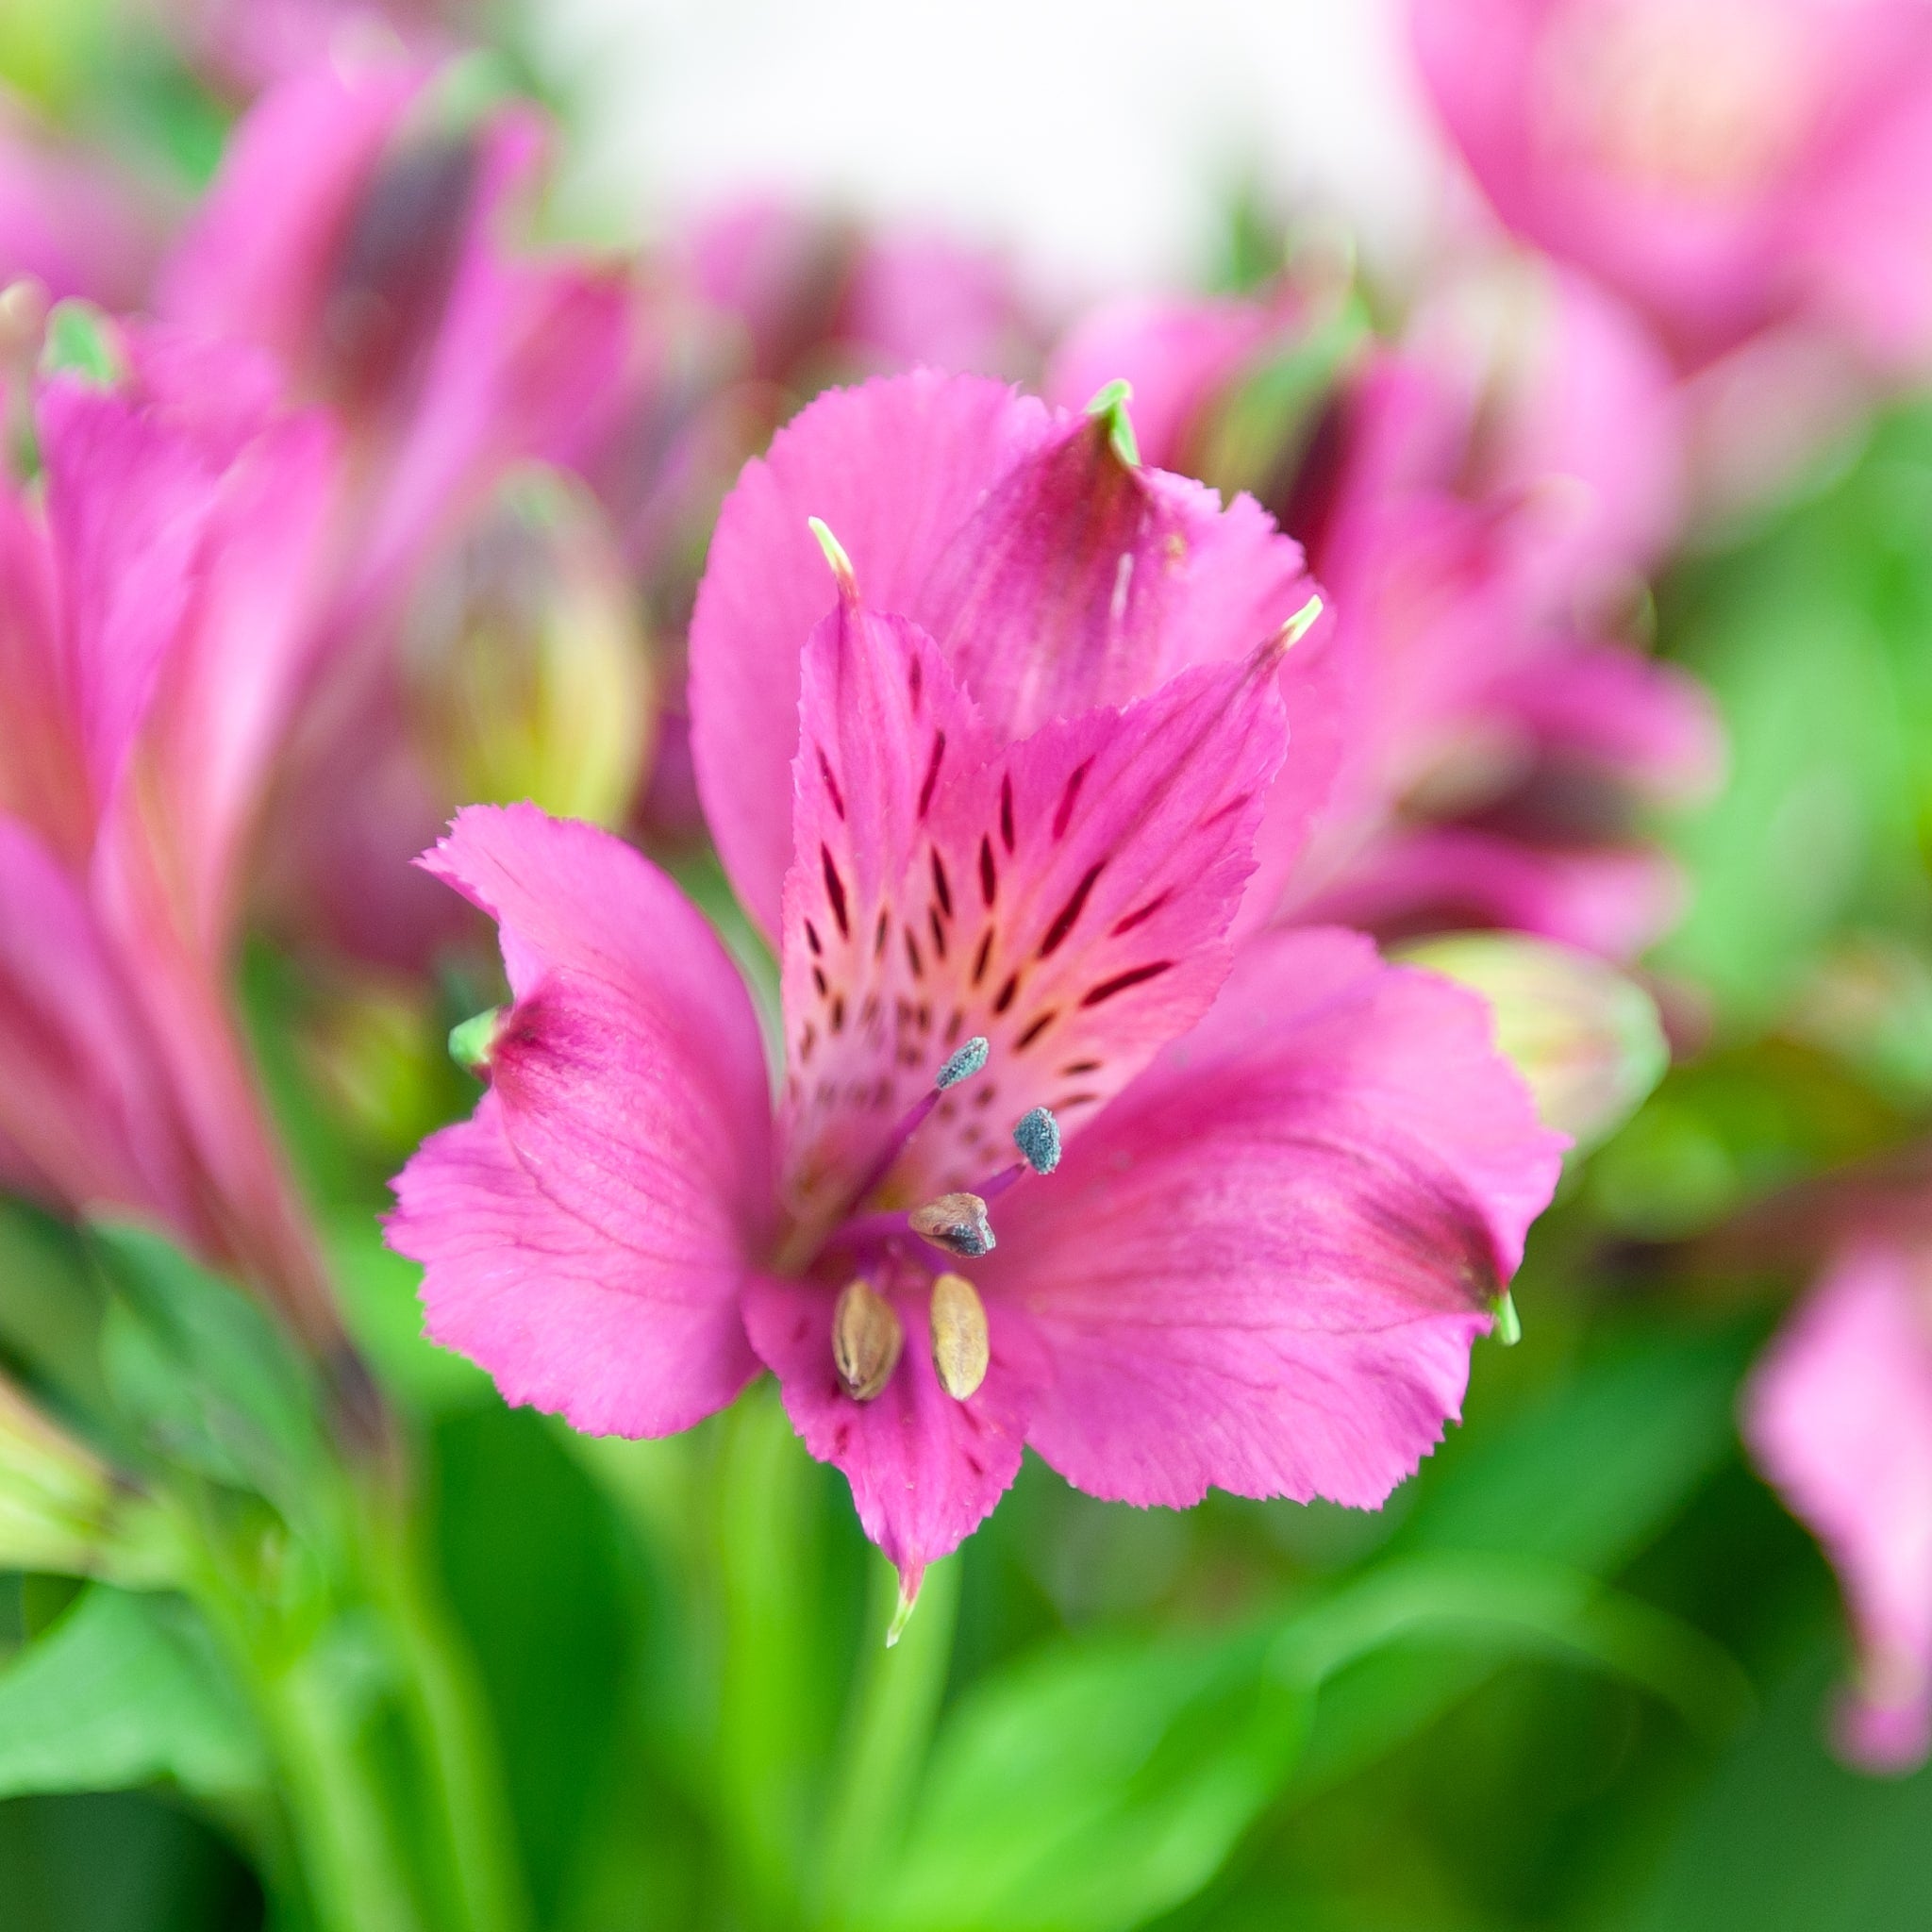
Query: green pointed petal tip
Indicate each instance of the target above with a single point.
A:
(835, 554)
(901, 1617)
(1301, 623)
(469, 1044)
(1110, 404)
(82, 341)
(1508, 1328)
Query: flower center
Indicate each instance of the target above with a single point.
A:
(888, 1248)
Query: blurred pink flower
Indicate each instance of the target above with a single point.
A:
(1727, 164)
(1839, 1416)
(68, 218)
(1000, 837)
(357, 232)
(155, 635)
(823, 300)
(1473, 512)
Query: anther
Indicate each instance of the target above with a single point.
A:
(965, 1063)
(961, 1345)
(956, 1222)
(866, 1339)
(1038, 1138)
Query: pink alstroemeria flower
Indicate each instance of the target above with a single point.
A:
(356, 233)
(1839, 1416)
(67, 218)
(1469, 521)
(1002, 859)
(1729, 165)
(154, 637)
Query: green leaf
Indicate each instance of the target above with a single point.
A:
(379, 1297)
(1098, 1787)
(120, 1693)
(205, 1374)
(1782, 1839)
(1093, 1787)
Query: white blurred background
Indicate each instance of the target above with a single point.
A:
(1103, 138)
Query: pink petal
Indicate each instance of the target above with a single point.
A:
(1054, 579)
(84, 1101)
(258, 260)
(924, 1469)
(1612, 900)
(586, 1234)
(1839, 1415)
(1261, 1269)
(896, 468)
(1650, 724)
(43, 778)
(130, 499)
(1067, 896)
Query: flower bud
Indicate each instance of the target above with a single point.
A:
(526, 669)
(866, 1339)
(1587, 1038)
(62, 1510)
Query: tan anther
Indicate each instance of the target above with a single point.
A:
(961, 1345)
(866, 1339)
(957, 1223)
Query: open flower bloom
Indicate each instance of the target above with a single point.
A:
(1729, 165)
(1471, 514)
(1839, 1416)
(155, 635)
(1052, 1159)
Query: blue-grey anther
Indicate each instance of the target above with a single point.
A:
(965, 1063)
(1038, 1138)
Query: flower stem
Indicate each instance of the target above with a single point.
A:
(895, 1702)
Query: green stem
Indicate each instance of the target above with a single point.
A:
(896, 1703)
(443, 1709)
(355, 1879)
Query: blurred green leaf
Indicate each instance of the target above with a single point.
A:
(1098, 1787)
(1782, 1839)
(1093, 1787)
(379, 1291)
(120, 1693)
(1813, 637)
(205, 1374)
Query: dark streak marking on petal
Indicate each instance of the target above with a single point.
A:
(1064, 920)
(1136, 976)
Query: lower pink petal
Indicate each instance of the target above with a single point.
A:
(924, 1469)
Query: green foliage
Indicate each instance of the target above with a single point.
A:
(123, 1692)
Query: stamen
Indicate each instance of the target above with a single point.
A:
(961, 1065)
(866, 1339)
(956, 1222)
(961, 1347)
